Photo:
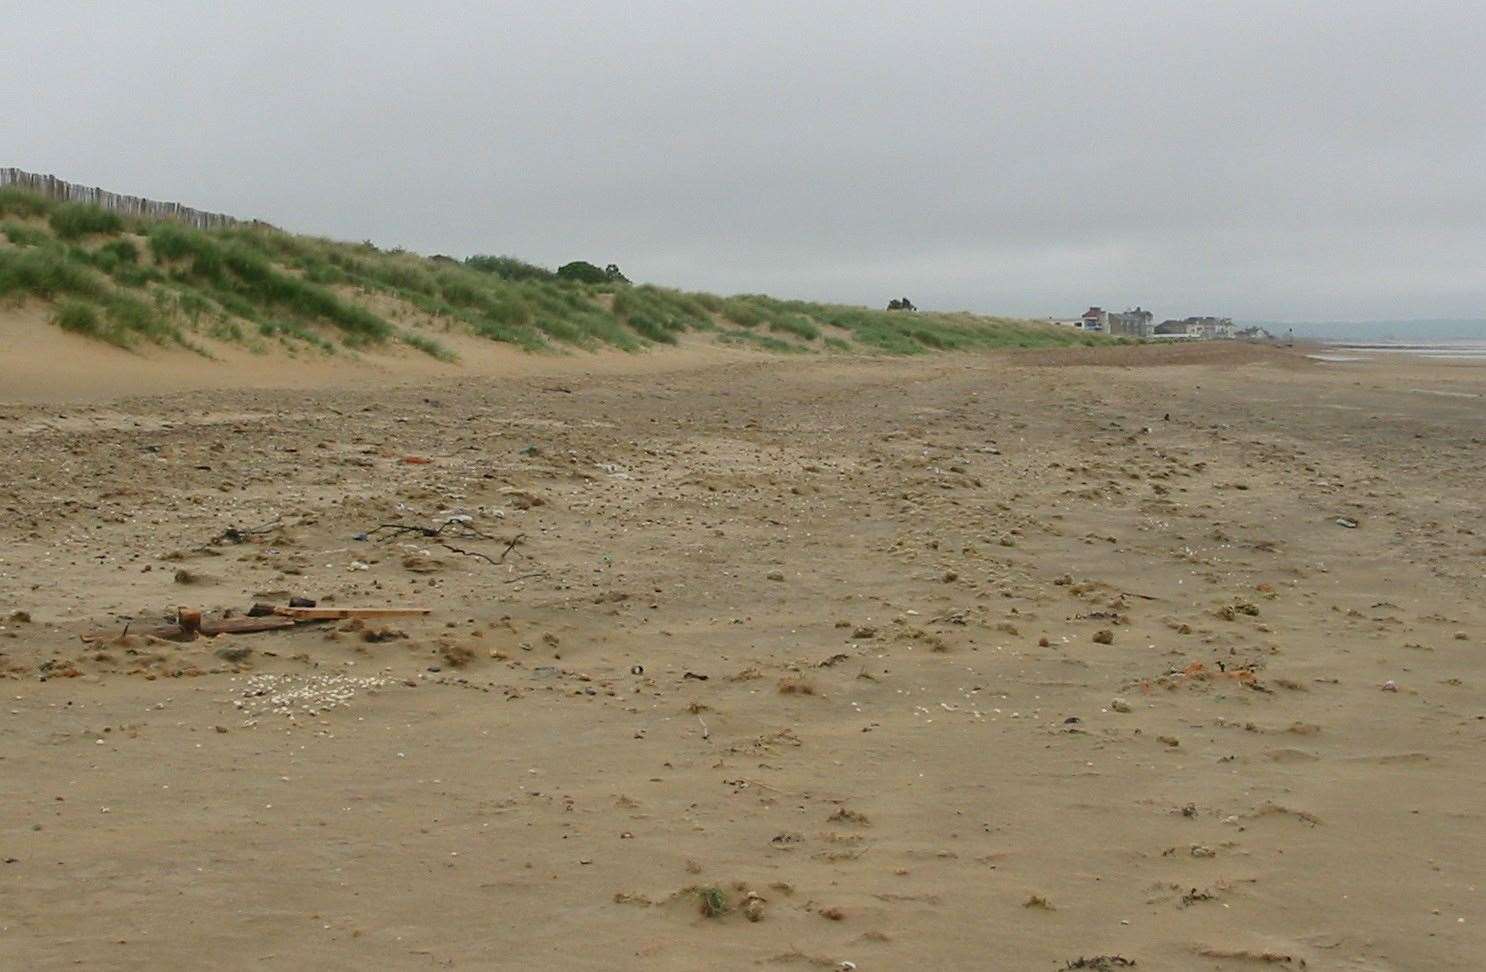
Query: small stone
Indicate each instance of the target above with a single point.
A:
(1120, 705)
(1390, 686)
(1104, 636)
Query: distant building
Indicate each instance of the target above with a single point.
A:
(1211, 328)
(1095, 319)
(1199, 328)
(1253, 333)
(1132, 323)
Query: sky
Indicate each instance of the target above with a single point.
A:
(1299, 160)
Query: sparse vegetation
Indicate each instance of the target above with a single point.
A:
(427, 345)
(250, 284)
(714, 902)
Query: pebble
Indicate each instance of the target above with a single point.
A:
(288, 694)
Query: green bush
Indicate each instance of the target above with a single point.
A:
(583, 272)
(22, 235)
(46, 272)
(124, 251)
(508, 267)
(797, 324)
(78, 317)
(71, 221)
(650, 328)
(171, 241)
(131, 275)
(123, 319)
(18, 202)
(741, 312)
(237, 266)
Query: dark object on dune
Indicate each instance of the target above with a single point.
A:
(901, 303)
(585, 272)
(582, 271)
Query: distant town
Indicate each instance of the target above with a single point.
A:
(1141, 323)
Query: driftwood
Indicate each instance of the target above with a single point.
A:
(188, 631)
(341, 614)
(264, 617)
(461, 530)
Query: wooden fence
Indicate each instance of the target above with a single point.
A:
(54, 188)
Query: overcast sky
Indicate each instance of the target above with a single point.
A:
(1265, 160)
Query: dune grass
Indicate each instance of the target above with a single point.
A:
(124, 280)
(71, 221)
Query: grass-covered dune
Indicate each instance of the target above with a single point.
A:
(130, 281)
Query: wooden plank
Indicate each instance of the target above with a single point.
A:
(245, 625)
(339, 614)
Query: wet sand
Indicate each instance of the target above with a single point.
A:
(1168, 656)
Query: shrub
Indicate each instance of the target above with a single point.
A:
(238, 266)
(22, 235)
(18, 202)
(124, 251)
(129, 315)
(583, 272)
(170, 241)
(797, 324)
(741, 312)
(508, 267)
(71, 221)
(122, 320)
(78, 317)
(45, 272)
(650, 328)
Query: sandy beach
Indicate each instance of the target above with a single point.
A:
(1164, 658)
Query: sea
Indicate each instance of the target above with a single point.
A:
(1469, 352)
